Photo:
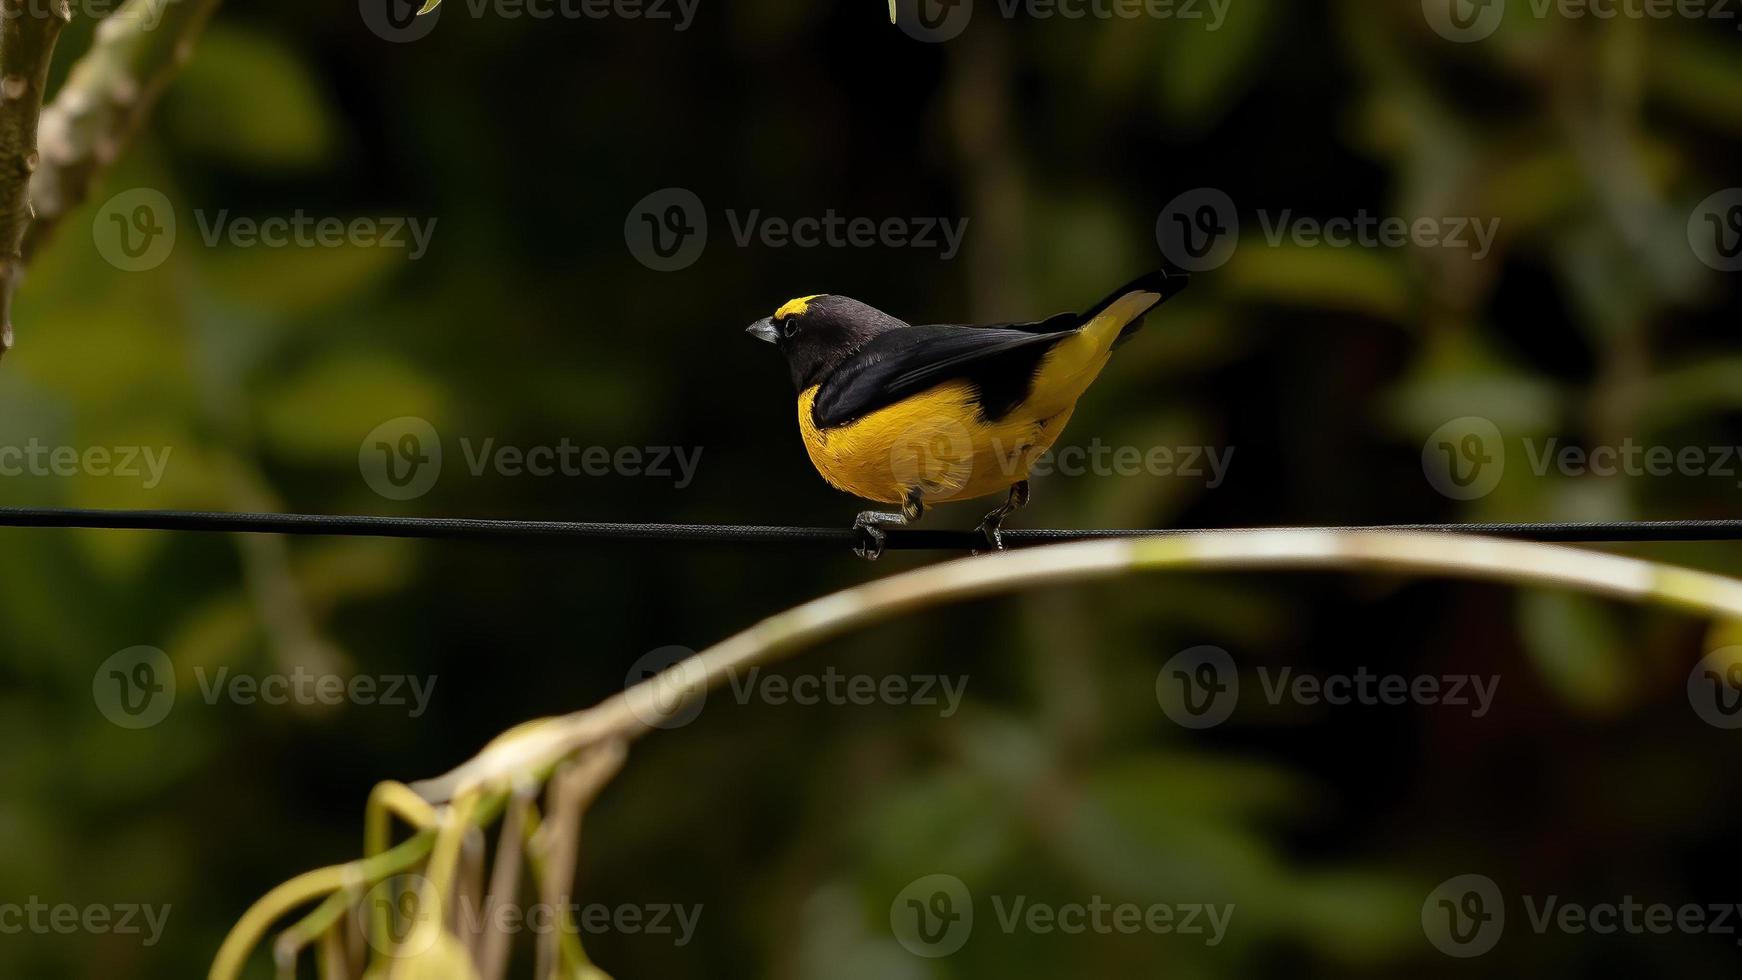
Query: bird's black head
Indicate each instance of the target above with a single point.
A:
(817, 333)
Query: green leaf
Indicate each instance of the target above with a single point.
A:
(334, 570)
(293, 280)
(1691, 392)
(1460, 373)
(323, 413)
(1356, 916)
(1346, 279)
(249, 100)
(1203, 67)
(1698, 75)
(1574, 641)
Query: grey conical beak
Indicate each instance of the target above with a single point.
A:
(763, 329)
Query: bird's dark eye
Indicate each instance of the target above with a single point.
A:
(791, 326)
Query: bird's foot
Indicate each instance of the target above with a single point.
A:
(869, 526)
(992, 529)
(992, 526)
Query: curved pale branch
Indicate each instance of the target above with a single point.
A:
(533, 753)
(534, 749)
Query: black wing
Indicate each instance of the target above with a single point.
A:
(999, 361)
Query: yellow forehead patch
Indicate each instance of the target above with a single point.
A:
(795, 307)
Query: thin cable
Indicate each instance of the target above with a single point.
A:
(899, 538)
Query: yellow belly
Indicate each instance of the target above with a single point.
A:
(934, 441)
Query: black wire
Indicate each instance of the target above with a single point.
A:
(898, 538)
(1569, 532)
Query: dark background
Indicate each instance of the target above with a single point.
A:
(530, 320)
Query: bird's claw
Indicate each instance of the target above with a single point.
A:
(993, 532)
(872, 538)
(871, 541)
(992, 525)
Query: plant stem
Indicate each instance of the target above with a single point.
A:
(106, 98)
(28, 32)
(233, 954)
(529, 754)
(534, 749)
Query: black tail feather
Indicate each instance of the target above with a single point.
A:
(1168, 283)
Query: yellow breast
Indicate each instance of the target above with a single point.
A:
(934, 441)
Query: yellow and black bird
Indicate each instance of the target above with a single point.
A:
(916, 415)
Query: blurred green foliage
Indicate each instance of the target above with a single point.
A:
(529, 321)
